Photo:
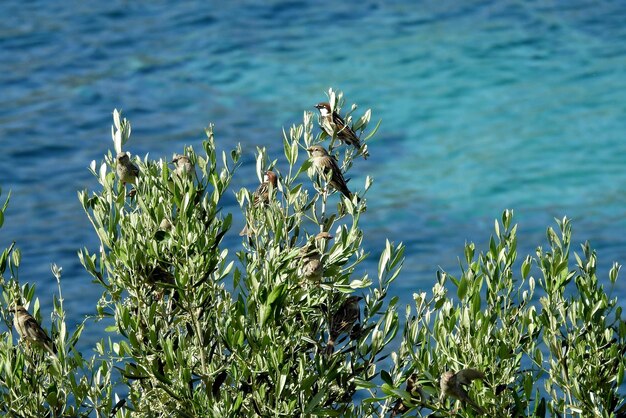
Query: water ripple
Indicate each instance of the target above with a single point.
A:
(485, 105)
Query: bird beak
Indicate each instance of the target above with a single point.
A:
(309, 149)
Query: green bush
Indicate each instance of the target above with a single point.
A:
(34, 383)
(553, 351)
(200, 332)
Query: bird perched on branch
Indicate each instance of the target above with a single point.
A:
(453, 385)
(342, 321)
(184, 166)
(416, 392)
(166, 225)
(311, 267)
(127, 172)
(30, 330)
(261, 195)
(326, 164)
(334, 125)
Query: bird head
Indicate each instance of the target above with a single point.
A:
(270, 177)
(317, 151)
(17, 308)
(323, 235)
(353, 299)
(122, 156)
(179, 157)
(323, 107)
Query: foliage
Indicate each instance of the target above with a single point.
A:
(200, 332)
(552, 351)
(34, 383)
(191, 347)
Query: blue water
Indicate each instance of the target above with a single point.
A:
(485, 106)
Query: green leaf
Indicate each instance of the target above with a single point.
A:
(371, 134)
(386, 377)
(16, 257)
(364, 384)
(315, 401)
(287, 148)
(6, 202)
(3, 261)
(304, 167)
(111, 328)
(276, 293)
(526, 266)
(462, 289)
(476, 303)
(363, 120)
(540, 408)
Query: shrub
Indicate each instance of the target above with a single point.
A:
(558, 349)
(34, 383)
(197, 331)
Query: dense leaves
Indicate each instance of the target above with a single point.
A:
(292, 324)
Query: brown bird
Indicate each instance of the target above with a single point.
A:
(261, 195)
(343, 320)
(311, 267)
(416, 392)
(334, 125)
(30, 330)
(166, 225)
(325, 163)
(127, 172)
(453, 385)
(184, 166)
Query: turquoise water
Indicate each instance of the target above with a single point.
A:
(485, 106)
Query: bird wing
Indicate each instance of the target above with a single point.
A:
(330, 164)
(339, 122)
(34, 331)
(261, 194)
(345, 131)
(337, 177)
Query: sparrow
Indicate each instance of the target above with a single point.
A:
(184, 166)
(453, 385)
(159, 273)
(334, 125)
(311, 267)
(127, 172)
(166, 225)
(416, 392)
(343, 320)
(30, 330)
(261, 195)
(325, 163)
